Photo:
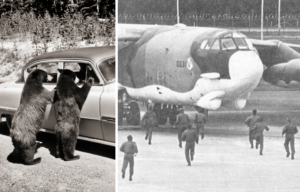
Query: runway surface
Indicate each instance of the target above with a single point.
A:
(94, 171)
(223, 160)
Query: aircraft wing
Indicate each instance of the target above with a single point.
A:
(128, 34)
(208, 93)
(282, 61)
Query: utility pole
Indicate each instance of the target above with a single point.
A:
(262, 21)
(279, 10)
(177, 11)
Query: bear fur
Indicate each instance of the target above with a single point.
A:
(29, 117)
(70, 101)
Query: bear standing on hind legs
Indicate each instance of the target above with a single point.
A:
(29, 117)
(70, 101)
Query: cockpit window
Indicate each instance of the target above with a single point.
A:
(203, 44)
(209, 43)
(249, 43)
(241, 43)
(227, 44)
(216, 45)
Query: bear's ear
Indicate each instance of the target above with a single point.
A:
(60, 70)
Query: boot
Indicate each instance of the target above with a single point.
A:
(292, 157)
(123, 174)
(288, 154)
(146, 136)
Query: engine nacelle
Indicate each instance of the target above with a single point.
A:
(211, 100)
(211, 104)
(236, 104)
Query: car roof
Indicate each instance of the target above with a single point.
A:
(93, 54)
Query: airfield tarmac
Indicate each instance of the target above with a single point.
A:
(94, 171)
(223, 160)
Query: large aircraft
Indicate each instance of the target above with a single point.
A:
(207, 68)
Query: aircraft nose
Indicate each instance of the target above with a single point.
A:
(245, 65)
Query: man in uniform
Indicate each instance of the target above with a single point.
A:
(289, 130)
(250, 122)
(259, 128)
(182, 123)
(130, 150)
(200, 120)
(149, 121)
(190, 137)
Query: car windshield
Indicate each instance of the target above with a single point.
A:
(107, 68)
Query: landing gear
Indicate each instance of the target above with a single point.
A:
(160, 112)
(202, 110)
(133, 113)
(163, 112)
(173, 114)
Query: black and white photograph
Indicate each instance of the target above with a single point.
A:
(208, 95)
(57, 95)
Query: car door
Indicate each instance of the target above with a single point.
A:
(107, 100)
(50, 67)
(90, 125)
(13, 92)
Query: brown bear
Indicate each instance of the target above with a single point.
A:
(29, 117)
(70, 101)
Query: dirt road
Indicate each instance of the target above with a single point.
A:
(94, 171)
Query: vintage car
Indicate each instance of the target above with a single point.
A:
(98, 113)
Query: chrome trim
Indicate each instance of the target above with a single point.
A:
(110, 119)
(84, 138)
(8, 109)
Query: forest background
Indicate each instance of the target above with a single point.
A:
(32, 27)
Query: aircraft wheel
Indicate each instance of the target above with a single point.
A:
(133, 116)
(202, 110)
(173, 115)
(162, 120)
(164, 115)
(161, 117)
(9, 119)
(157, 110)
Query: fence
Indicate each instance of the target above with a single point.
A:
(227, 21)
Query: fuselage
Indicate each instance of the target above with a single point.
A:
(175, 57)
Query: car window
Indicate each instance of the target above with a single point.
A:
(50, 68)
(83, 71)
(107, 68)
(75, 67)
